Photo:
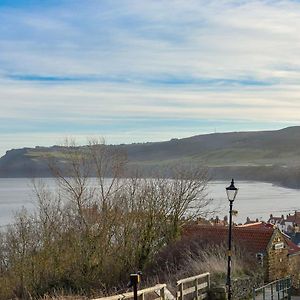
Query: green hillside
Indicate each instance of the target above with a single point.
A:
(259, 155)
(260, 148)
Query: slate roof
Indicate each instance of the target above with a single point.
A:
(295, 237)
(293, 248)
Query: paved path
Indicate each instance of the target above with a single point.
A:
(269, 297)
(266, 296)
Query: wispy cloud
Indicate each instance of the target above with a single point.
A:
(84, 66)
(146, 81)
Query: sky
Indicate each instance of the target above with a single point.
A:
(145, 70)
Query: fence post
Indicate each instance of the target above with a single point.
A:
(162, 293)
(272, 292)
(134, 281)
(208, 281)
(181, 291)
(196, 288)
(289, 288)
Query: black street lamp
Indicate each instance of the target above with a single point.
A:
(231, 194)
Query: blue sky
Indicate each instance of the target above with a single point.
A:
(132, 70)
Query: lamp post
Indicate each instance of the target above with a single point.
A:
(231, 194)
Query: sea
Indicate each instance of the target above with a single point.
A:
(256, 200)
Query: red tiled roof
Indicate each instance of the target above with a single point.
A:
(252, 239)
(290, 218)
(256, 225)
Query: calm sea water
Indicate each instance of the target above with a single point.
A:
(254, 199)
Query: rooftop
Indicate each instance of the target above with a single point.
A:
(253, 237)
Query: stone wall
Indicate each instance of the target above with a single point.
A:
(294, 267)
(276, 263)
(242, 288)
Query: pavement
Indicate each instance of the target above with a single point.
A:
(268, 296)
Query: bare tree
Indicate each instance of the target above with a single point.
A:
(98, 224)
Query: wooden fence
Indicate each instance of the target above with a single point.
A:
(195, 287)
(157, 292)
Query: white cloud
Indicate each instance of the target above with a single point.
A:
(130, 54)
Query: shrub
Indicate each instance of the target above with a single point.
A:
(193, 256)
(89, 233)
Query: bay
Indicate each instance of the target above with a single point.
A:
(254, 199)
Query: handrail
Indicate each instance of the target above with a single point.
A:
(277, 289)
(191, 285)
(271, 283)
(189, 279)
(129, 295)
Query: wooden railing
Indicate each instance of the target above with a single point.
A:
(195, 287)
(158, 290)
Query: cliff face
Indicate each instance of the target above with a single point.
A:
(18, 163)
(261, 155)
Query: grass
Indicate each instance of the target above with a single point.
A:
(41, 154)
(190, 257)
(178, 265)
(214, 158)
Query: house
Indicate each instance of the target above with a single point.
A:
(275, 220)
(249, 221)
(289, 224)
(218, 222)
(279, 256)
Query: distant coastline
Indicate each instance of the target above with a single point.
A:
(265, 156)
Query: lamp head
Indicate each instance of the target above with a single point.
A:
(231, 191)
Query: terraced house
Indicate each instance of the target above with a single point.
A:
(288, 224)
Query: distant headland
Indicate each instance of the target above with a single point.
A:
(270, 156)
